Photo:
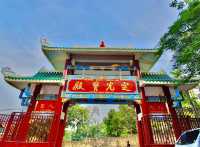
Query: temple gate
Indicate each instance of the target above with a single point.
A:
(96, 76)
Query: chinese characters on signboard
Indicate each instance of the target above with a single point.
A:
(102, 86)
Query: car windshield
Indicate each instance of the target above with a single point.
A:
(188, 137)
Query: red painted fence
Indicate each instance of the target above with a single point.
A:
(37, 129)
(14, 132)
(163, 131)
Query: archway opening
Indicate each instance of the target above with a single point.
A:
(102, 124)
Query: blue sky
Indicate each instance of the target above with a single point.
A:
(120, 23)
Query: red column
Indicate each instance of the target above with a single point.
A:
(58, 126)
(24, 125)
(139, 123)
(146, 124)
(54, 132)
(137, 66)
(32, 104)
(172, 111)
(67, 71)
(62, 125)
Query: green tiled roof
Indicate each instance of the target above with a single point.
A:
(40, 76)
(49, 76)
(57, 77)
(157, 78)
(20, 82)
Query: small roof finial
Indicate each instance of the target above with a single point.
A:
(7, 71)
(102, 44)
(44, 41)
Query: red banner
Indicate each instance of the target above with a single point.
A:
(45, 105)
(102, 86)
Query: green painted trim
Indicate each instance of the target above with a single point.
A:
(122, 49)
(44, 77)
(54, 76)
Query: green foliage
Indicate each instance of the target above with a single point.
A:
(117, 123)
(78, 116)
(80, 133)
(183, 38)
(120, 123)
(78, 121)
(97, 131)
(90, 131)
(177, 4)
(190, 102)
(67, 136)
(180, 4)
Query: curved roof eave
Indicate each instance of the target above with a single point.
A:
(58, 55)
(54, 77)
(20, 82)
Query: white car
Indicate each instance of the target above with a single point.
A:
(189, 138)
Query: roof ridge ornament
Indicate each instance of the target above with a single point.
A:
(44, 41)
(102, 44)
(7, 71)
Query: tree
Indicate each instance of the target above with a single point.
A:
(113, 124)
(190, 101)
(180, 4)
(176, 4)
(117, 123)
(183, 38)
(97, 130)
(121, 122)
(78, 121)
(77, 116)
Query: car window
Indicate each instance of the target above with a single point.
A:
(188, 137)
